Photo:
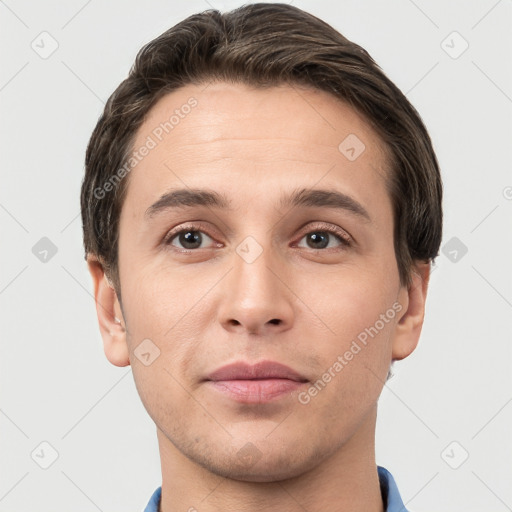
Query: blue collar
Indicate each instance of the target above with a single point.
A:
(388, 489)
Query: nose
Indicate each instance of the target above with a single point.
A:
(257, 295)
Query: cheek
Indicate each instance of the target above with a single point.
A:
(156, 297)
(360, 312)
(167, 306)
(351, 300)
(354, 365)
(163, 309)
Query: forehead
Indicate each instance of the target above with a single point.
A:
(225, 135)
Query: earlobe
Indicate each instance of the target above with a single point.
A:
(110, 317)
(408, 328)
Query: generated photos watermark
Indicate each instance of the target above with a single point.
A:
(355, 347)
(151, 142)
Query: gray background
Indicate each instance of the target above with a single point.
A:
(450, 399)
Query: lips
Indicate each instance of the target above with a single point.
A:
(255, 384)
(258, 371)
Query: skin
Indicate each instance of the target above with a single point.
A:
(209, 307)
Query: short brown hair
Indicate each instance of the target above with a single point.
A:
(265, 45)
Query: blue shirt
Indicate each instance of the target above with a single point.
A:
(389, 490)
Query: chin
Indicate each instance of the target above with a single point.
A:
(247, 465)
(256, 475)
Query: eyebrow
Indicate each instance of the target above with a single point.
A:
(317, 198)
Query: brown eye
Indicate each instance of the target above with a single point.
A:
(318, 239)
(322, 238)
(188, 238)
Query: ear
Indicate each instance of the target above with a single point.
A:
(412, 299)
(110, 317)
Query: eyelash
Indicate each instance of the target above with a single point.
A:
(342, 236)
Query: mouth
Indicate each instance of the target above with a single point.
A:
(258, 383)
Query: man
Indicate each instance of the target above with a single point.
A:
(261, 206)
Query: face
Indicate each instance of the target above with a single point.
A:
(284, 256)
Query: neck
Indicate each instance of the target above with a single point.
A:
(347, 480)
